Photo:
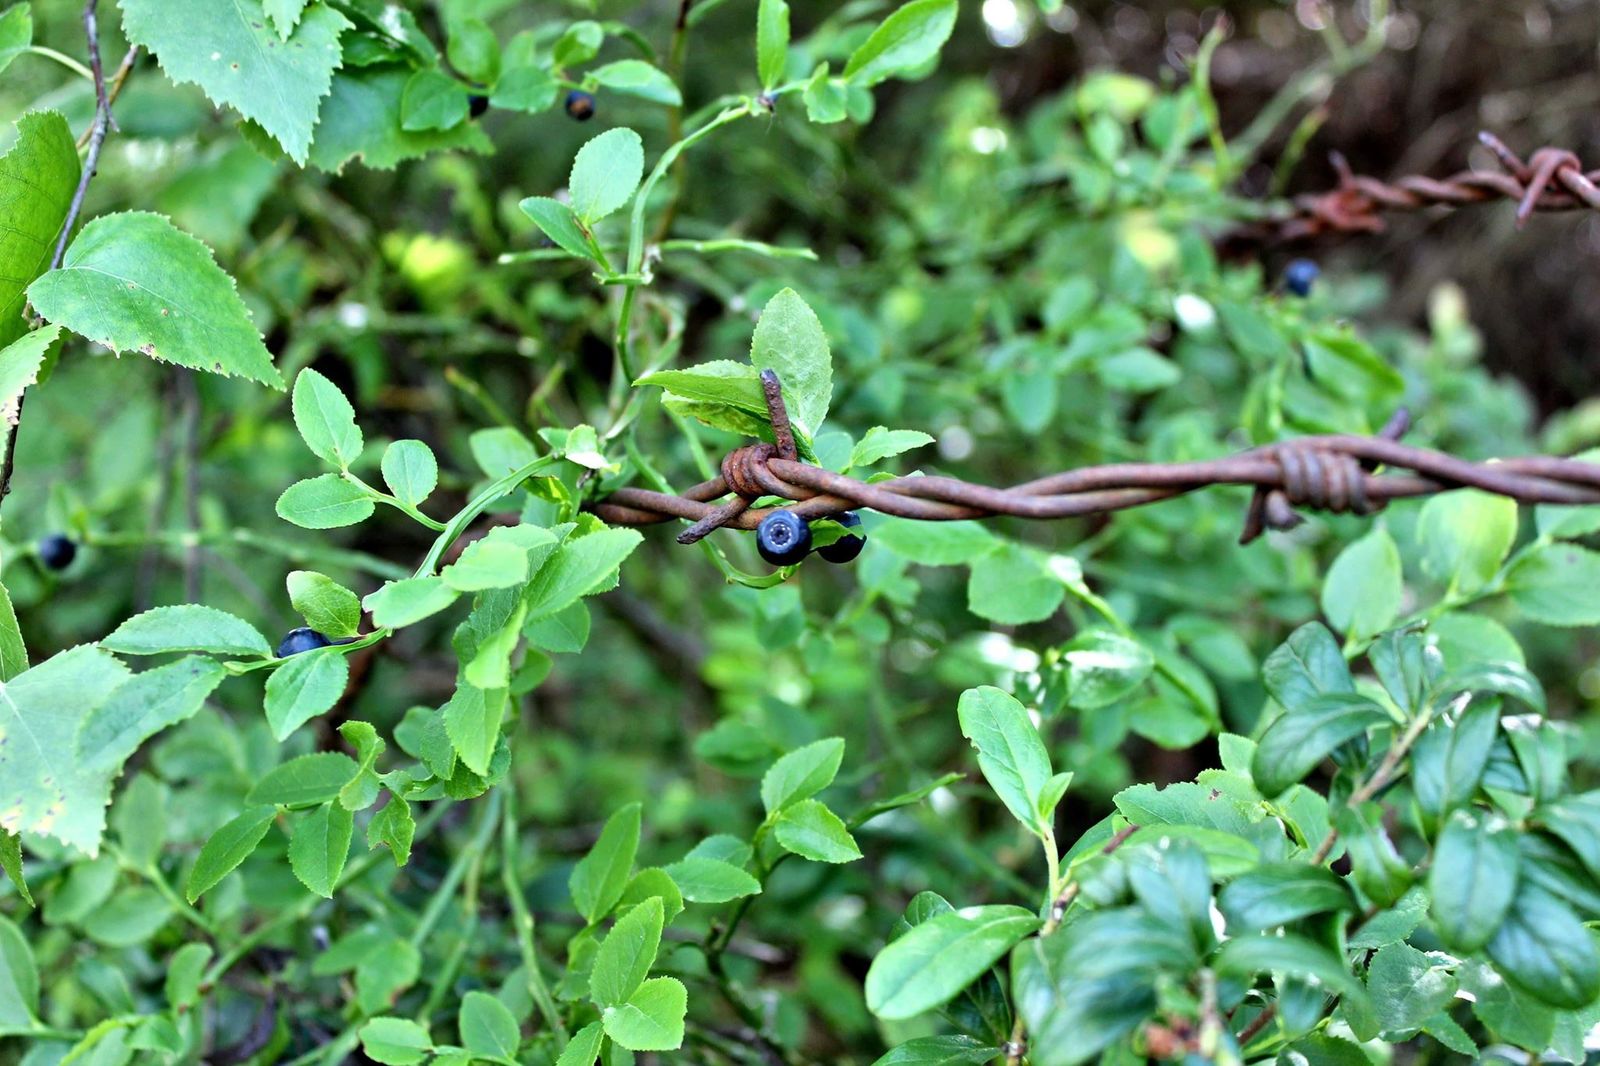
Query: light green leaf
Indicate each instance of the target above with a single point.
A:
(487, 1028)
(705, 880)
(361, 120)
(135, 282)
(11, 863)
(584, 1047)
(529, 88)
(305, 781)
(327, 501)
(409, 600)
(285, 14)
(393, 827)
(880, 443)
(939, 957)
(19, 979)
(935, 543)
(801, 774)
(473, 719)
(600, 876)
(305, 686)
(1554, 583)
(635, 77)
(789, 339)
(1010, 752)
(16, 33)
(582, 567)
(904, 41)
(19, 365)
(396, 1041)
(1361, 594)
(1465, 536)
(319, 847)
(605, 174)
(410, 471)
(327, 606)
(1102, 667)
(1013, 585)
(626, 954)
(227, 848)
(556, 221)
(772, 42)
(188, 627)
(487, 564)
(326, 420)
(231, 53)
(37, 178)
(140, 708)
(719, 381)
(13, 653)
(826, 98)
(652, 1020)
(433, 100)
(812, 831)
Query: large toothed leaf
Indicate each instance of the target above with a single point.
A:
(237, 59)
(136, 283)
(37, 177)
(361, 119)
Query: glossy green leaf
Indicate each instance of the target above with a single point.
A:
(801, 774)
(652, 1019)
(1361, 594)
(1279, 893)
(1544, 949)
(319, 846)
(938, 958)
(903, 42)
(305, 781)
(812, 831)
(625, 956)
(408, 601)
(703, 880)
(487, 1028)
(1299, 739)
(1010, 752)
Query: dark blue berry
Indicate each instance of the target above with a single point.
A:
(57, 551)
(783, 538)
(302, 639)
(477, 105)
(580, 105)
(1300, 275)
(846, 548)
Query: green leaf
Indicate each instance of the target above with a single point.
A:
(1465, 536)
(933, 962)
(393, 827)
(395, 1041)
(473, 720)
(801, 774)
(13, 653)
(305, 781)
(720, 381)
(189, 627)
(487, 564)
(19, 979)
(1407, 988)
(305, 686)
(140, 708)
(1376, 867)
(408, 601)
(239, 61)
(941, 1051)
(319, 847)
(1550, 583)
(881, 443)
(16, 33)
(584, 1047)
(487, 1028)
(432, 100)
(556, 221)
(1542, 948)
(325, 419)
(1013, 585)
(327, 501)
(600, 876)
(327, 606)
(1279, 893)
(703, 880)
(530, 89)
(826, 98)
(906, 40)
(361, 119)
(1309, 664)
(19, 365)
(185, 973)
(1010, 752)
(789, 339)
(1299, 739)
(37, 178)
(135, 282)
(582, 567)
(1361, 594)
(812, 831)
(605, 174)
(1102, 667)
(1296, 956)
(1449, 759)
(11, 863)
(1473, 878)
(935, 543)
(772, 42)
(635, 77)
(652, 1020)
(285, 15)
(227, 848)
(410, 471)
(625, 956)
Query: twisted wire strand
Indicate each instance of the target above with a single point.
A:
(1335, 473)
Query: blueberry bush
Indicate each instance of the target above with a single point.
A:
(335, 726)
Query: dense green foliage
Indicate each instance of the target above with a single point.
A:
(521, 787)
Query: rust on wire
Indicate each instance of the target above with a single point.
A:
(1335, 473)
(1551, 179)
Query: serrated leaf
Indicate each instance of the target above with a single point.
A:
(625, 956)
(11, 863)
(408, 601)
(652, 1020)
(881, 443)
(327, 501)
(584, 1047)
(232, 54)
(1299, 739)
(605, 174)
(812, 831)
(473, 719)
(410, 471)
(134, 282)
(141, 707)
(556, 221)
(581, 567)
(187, 627)
(360, 119)
(904, 41)
(432, 100)
(789, 339)
(285, 14)
(327, 606)
(319, 846)
(1010, 752)
(305, 686)
(305, 781)
(325, 419)
(393, 827)
(227, 848)
(19, 367)
(395, 1041)
(600, 876)
(801, 774)
(487, 564)
(705, 880)
(37, 178)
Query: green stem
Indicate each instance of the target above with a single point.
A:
(65, 60)
(523, 919)
(166, 891)
(479, 504)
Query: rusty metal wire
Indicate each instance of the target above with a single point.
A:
(1334, 473)
(1551, 179)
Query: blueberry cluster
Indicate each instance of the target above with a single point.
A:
(783, 538)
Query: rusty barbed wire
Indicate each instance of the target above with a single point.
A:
(1551, 179)
(1334, 473)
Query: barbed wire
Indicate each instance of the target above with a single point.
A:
(1551, 179)
(1334, 473)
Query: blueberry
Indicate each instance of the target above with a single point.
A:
(845, 548)
(477, 105)
(580, 105)
(302, 639)
(783, 538)
(1299, 275)
(57, 551)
